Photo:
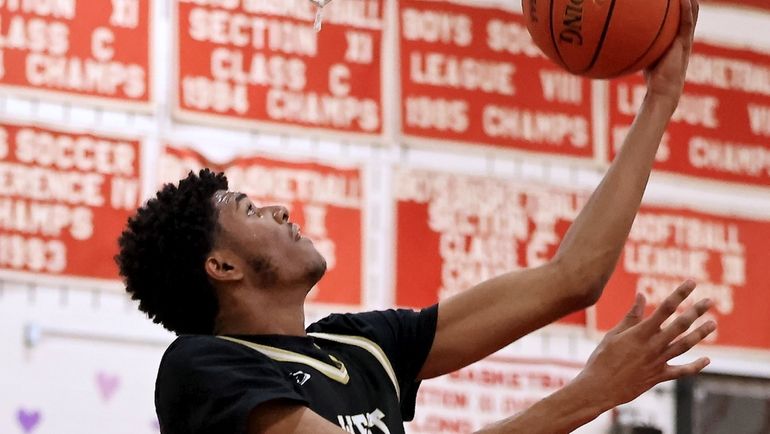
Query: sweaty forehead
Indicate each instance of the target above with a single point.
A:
(221, 197)
(224, 199)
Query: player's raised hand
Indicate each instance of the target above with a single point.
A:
(666, 77)
(633, 357)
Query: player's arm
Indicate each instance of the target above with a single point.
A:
(480, 321)
(631, 359)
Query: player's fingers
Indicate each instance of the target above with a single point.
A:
(684, 344)
(676, 372)
(633, 317)
(687, 19)
(683, 322)
(696, 10)
(669, 306)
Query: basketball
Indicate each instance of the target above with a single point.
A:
(603, 38)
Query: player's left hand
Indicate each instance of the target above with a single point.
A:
(666, 78)
(634, 356)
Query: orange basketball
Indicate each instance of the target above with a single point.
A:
(603, 38)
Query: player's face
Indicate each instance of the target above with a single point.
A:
(267, 241)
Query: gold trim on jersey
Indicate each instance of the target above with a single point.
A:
(370, 347)
(337, 373)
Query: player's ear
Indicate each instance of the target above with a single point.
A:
(223, 266)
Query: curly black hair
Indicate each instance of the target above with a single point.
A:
(163, 250)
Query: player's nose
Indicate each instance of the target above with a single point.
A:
(279, 213)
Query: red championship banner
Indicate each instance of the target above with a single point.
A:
(486, 392)
(327, 202)
(721, 130)
(448, 239)
(64, 200)
(727, 257)
(95, 50)
(474, 76)
(262, 63)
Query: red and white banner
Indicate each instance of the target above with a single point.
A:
(473, 75)
(721, 130)
(95, 50)
(727, 257)
(327, 202)
(62, 194)
(488, 391)
(447, 240)
(255, 62)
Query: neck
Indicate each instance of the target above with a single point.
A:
(256, 312)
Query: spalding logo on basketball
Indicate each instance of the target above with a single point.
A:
(603, 38)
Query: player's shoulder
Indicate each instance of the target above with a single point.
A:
(191, 344)
(365, 324)
(343, 323)
(191, 350)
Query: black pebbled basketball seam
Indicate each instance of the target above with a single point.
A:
(598, 47)
(553, 35)
(601, 39)
(652, 44)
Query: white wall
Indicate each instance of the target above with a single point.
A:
(84, 360)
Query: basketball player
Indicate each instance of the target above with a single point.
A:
(231, 279)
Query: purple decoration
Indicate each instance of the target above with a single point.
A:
(108, 384)
(28, 419)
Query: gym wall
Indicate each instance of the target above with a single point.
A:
(412, 185)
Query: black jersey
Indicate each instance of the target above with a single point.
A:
(356, 370)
